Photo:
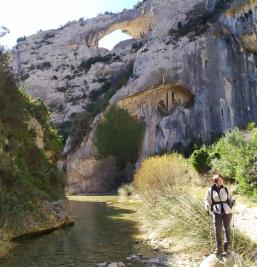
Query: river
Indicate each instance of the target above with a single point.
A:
(102, 232)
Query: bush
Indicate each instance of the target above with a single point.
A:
(232, 156)
(200, 160)
(158, 175)
(125, 190)
(86, 64)
(120, 135)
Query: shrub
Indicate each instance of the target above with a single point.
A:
(61, 89)
(224, 151)
(234, 156)
(44, 66)
(200, 160)
(21, 39)
(94, 94)
(64, 130)
(86, 64)
(125, 190)
(159, 174)
(120, 135)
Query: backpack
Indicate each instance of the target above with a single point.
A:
(213, 202)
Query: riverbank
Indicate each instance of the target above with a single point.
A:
(50, 217)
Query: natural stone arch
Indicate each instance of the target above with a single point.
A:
(137, 28)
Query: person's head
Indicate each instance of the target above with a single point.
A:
(217, 179)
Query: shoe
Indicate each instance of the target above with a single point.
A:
(226, 249)
(217, 252)
(226, 253)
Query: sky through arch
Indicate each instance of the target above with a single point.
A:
(113, 38)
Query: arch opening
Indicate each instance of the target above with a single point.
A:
(113, 38)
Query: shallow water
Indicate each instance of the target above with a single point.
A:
(101, 233)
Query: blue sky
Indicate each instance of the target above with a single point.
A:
(26, 17)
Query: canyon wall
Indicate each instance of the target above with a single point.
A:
(190, 73)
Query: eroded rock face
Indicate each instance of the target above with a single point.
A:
(49, 216)
(193, 51)
(91, 175)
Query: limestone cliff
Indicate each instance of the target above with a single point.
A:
(192, 74)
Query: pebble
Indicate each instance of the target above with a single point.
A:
(117, 264)
(154, 261)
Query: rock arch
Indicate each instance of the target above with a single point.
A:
(137, 28)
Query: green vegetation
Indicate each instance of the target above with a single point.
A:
(234, 156)
(120, 135)
(174, 210)
(28, 176)
(85, 65)
(200, 160)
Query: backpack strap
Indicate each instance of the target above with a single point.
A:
(228, 202)
(212, 199)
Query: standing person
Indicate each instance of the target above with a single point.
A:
(219, 200)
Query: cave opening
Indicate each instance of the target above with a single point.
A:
(113, 38)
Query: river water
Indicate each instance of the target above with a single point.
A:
(101, 233)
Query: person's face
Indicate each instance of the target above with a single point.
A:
(219, 181)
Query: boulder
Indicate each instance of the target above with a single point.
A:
(233, 260)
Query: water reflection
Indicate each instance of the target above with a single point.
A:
(95, 237)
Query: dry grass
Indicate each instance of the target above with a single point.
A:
(158, 175)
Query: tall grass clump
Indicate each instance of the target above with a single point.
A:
(174, 209)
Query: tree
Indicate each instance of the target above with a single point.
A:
(120, 135)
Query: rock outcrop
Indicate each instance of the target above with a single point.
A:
(233, 260)
(192, 73)
(49, 217)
